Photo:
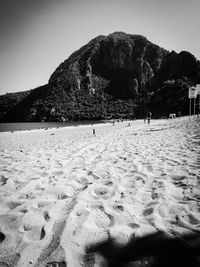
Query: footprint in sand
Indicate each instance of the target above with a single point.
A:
(122, 215)
(46, 216)
(34, 233)
(178, 178)
(33, 225)
(150, 168)
(133, 225)
(139, 178)
(10, 221)
(89, 260)
(100, 207)
(3, 264)
(148, 211)
(83, 180)
(25, 196)
(3, 180)
(79, 189)
(22, 210)
(27, 228)
(180, 181)
(96, 177)
(189, 218)
(56, 264)
(44, 203)
(103, 219)
(183, 223)
(62, 196)
(193, 220)
(2, 237)
(109, 183)
(154, 194)
(13, 204)
(102, 192)
(118, 208)
(111, 218)
(82, 217)
(42, 234)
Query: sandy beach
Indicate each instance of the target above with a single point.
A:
(61, 189)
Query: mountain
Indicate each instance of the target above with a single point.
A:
(115, 76)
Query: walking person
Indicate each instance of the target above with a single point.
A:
(149, 117)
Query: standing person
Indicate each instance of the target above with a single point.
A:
(149, 117)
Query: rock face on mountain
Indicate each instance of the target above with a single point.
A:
(119, 75)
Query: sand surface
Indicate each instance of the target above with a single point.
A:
(61, 189)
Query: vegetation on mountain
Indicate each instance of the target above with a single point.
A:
(10, 100)
(114, 76)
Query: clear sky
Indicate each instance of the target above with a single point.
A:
(37, 35)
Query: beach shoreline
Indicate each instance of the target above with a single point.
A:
(29, 126)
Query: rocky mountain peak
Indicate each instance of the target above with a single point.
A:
(119, 75)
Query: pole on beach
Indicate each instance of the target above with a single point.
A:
(192, 93)
(199, 106)
(194, 105)
(198, 94)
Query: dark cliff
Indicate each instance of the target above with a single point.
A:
(119, 75)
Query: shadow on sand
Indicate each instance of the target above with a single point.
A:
(153, 250)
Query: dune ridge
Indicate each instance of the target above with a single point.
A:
(62, 189)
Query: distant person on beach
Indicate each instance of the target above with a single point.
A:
(149, 114)
(179, 114)
(172, 115)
